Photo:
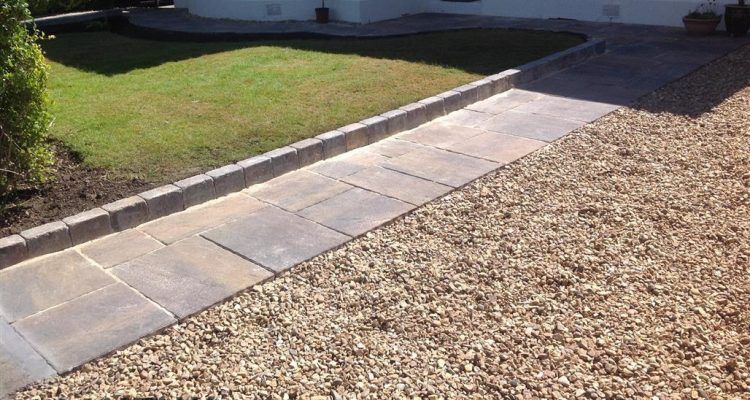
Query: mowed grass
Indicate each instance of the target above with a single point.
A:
(165, 110)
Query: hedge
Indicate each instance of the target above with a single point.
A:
(24, 119)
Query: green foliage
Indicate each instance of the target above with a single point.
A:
(24, 118)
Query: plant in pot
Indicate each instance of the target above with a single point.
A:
(737, 18)
(703, 20)
(322, 13)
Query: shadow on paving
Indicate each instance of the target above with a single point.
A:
(481, 51)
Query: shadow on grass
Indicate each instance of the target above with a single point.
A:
(481, 51)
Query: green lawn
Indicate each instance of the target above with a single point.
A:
(165, 110)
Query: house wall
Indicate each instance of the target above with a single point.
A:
(650, 12)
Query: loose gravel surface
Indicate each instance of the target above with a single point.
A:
(612, 264)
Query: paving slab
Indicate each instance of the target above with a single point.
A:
(504, 101)
(356, 211)
(190, 275)
(465, 117)
(92, 325)
(275, 239)
(202, 218)
(440, 134)
(20, 364)
(39, 284)
(348, 163)
(576, 86)
(441, 166)
(404, 187)
(393, 147)
(532, 126)
(562, 107)
(120, 247)
(297, 190)
(497, 147)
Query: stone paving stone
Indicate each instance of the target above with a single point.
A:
(583, 88)
(497, 147)
(88, 225)
(416, 114)
(348, 163)
(127, 213)
(441, 166)
(120, 247)
(12, 250)
(434, 107)
(47, 238)
(355, 134)
(396, 121)
(393, 147)
(309, 151)
(257, 169)
(19, 363)
(283, 160)
(377, 128)
(298, 190)
(356, 211)
(469, 94)
(39, 284)
(532, 126)
(92, 325)
(163, 200)
(275, 239)
(451, 101)
(504, 101)
(485, 88)
(202, 218)
(440, 134)
(406, 188)
(196, 189)
(227, 179)
(562, 107)
(334, 143)
(466, 118)
(190, 275)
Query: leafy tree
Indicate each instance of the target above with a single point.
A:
(24, 119)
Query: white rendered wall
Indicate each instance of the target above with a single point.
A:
(651, 12)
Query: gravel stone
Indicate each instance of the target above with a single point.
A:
(613, 264)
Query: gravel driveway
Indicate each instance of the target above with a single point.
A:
(613, 264)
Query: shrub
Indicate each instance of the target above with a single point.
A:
(24, 119)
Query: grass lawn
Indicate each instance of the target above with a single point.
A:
(165, 110)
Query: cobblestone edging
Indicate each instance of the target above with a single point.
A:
(171, 198)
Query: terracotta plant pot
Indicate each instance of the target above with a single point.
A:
(737, 19)
(322, 14)
(700, 26)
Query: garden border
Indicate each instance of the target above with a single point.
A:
(171, 198)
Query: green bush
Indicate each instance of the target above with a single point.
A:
(24, 118)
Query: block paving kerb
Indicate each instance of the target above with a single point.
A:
(176, 250)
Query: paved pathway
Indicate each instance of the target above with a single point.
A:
(62, 310)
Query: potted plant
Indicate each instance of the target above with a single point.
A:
(703, 20)
(737, 18)
(322, 13)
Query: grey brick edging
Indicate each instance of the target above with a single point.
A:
(171, 198)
